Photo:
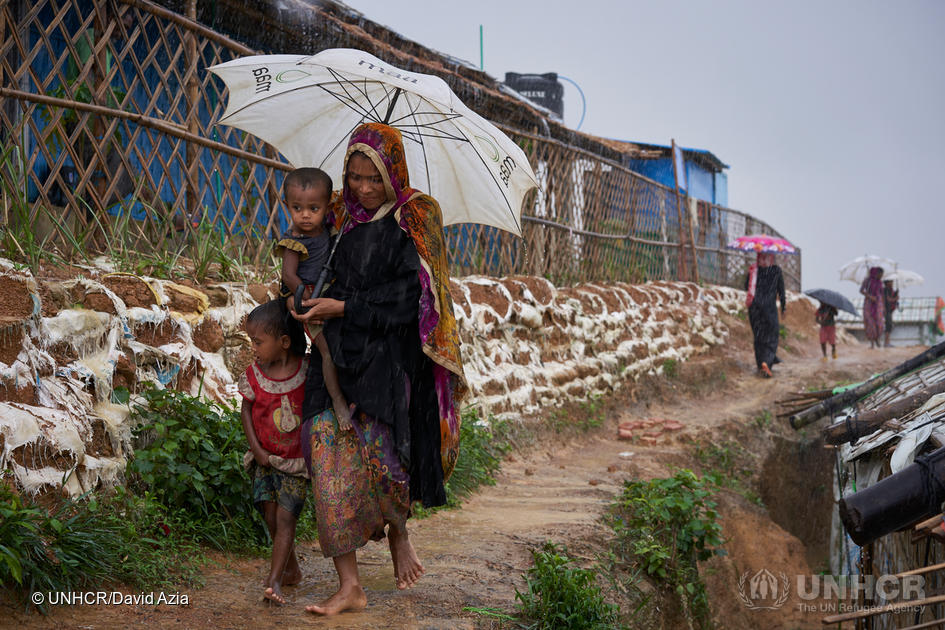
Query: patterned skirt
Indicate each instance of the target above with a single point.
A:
(358, 483)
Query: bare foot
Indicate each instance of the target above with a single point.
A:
(342, 413)
(274, 594)
(291, 579)
(766, 370)
(407, 566)
(347, 598)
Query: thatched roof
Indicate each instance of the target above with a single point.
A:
(307, 26)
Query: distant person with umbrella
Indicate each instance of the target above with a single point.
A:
(831, 303)
(873, 306)
(388, 320)
(765, 285)
(890, 304)
(826, 316)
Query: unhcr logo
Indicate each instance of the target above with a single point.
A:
(763, 590)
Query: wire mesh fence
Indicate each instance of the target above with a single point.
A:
(109, 145)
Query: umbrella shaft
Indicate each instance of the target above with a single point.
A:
(390, 108)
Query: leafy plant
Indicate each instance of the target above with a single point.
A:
(666, 526)
(560, 594)
(190, 458)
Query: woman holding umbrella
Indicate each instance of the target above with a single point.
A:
(765, 285)
(388, 321)
(873, 307)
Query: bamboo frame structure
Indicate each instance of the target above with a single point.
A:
(108, 107)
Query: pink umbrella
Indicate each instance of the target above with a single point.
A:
(762, 243)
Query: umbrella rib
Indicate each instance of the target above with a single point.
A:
(344, 139)
(423, 149)
(344, 83)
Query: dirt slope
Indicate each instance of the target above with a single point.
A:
(555, 489)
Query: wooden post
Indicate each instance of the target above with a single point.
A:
(692, 242)
(682, 271)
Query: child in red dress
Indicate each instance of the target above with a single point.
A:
(273, 388)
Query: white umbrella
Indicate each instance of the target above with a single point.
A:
(307, 107)
(857, 269)
(905, 278)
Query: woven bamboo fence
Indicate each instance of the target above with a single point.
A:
(108, 118)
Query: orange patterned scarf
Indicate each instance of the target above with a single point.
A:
(419, 215)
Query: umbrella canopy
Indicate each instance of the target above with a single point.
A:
(307, 107)
(762, 243)
(834, 299)
(857, 269)
(905, 278)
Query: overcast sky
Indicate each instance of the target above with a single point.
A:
(830, 114)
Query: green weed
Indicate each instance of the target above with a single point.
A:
(18, 238)
(483, 446)
(559, 594)
(763, 420)
(665, 526)
(670, 368)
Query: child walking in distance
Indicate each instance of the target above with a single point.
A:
(304, 248)
(273, 388)
(826, 316)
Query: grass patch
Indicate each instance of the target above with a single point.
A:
(582, 417)
(763, 420)
(670, 368)
(722, 464)
(86, 542)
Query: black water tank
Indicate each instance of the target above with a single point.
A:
(544, 89)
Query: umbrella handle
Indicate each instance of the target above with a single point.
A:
(322, 276)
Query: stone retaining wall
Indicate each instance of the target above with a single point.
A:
(527, 346)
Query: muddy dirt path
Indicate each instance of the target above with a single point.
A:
(552, 490)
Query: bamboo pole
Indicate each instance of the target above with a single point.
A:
(191, 25)
(843, 399)
(169, 128)
(879, 610)
(682, 272)
(865, 423)
(928, 569)
(192, 91)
